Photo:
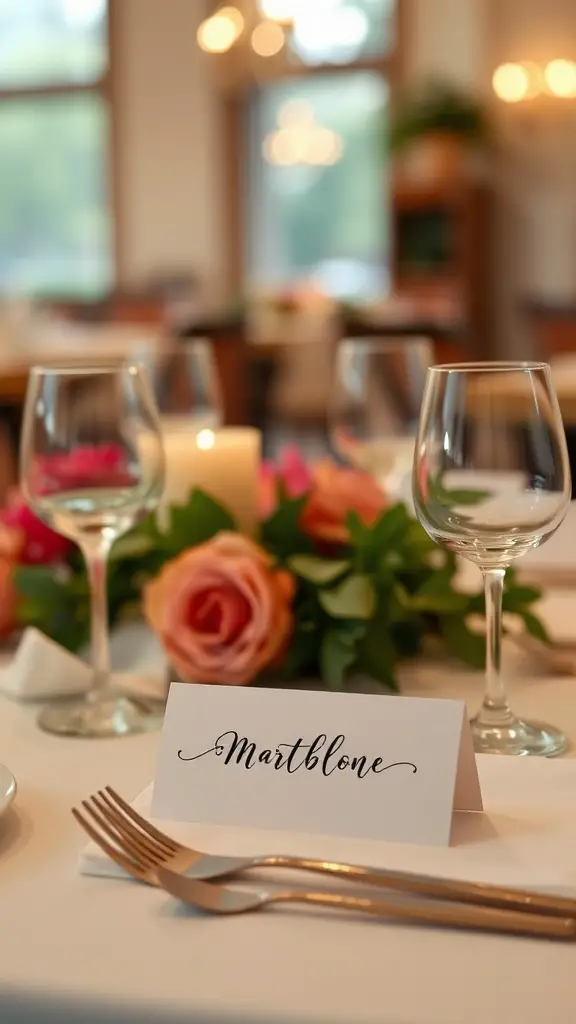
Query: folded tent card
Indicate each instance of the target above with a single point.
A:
(373, 767)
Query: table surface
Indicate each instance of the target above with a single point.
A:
(93, 949)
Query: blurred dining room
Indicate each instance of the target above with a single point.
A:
(287, 398)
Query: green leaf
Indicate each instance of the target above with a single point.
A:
(407, 638)
(133, 545)
(447, 497)
(535, 627)
(391, 528)
(463, 497)
(337, 654)
(44, 583)
(517, 597)
(281, 533)
(302, 656)
(377, 655)
(197, 521)
(353, 599)
(462, 642)
(416, 543)
(360, 534)
(317, 570)
(437, 595)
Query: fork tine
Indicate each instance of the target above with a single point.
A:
(171, 845)
(154, 852)
(123, 842)
(123, 862)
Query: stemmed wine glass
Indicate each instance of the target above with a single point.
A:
(375, 404)
(92, 466)
(491, 481)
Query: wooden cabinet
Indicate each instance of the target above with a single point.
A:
(442, 255)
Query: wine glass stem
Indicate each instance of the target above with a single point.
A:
(96, 562)
(495, 707)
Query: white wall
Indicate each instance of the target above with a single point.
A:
(169, 137)
(446, 39)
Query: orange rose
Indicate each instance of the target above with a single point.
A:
(11, 547)
(221, 612)
(335, 492)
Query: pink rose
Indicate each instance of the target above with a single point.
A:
(221, 612)
(90, 465)
(40, 545)
(335, 492)
(291, 470)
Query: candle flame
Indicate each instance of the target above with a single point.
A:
(205, 439)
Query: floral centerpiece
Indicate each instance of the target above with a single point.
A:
(337, 582)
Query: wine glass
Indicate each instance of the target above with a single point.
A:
(186, 387)
(375, 404)
(491, 481)
(92, 466)
(185, 383)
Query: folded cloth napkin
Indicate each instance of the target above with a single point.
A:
(41, 668)
(527, 837)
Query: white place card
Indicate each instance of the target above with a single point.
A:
(373, 767)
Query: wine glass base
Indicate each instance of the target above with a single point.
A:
(109, 716)
(518, 738)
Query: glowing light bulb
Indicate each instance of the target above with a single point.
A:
(217, 34)
(560, 77)
(511, 82)
(324, 148)
(267, 39)
(233, 15)
(282, 11)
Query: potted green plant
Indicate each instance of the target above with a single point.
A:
(435, 127)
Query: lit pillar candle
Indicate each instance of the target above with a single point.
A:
(224, 462)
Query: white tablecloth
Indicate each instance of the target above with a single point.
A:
(86, 949)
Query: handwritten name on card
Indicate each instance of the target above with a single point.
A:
(342, 764)
(322, 754)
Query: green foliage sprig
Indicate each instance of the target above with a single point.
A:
(362, 609)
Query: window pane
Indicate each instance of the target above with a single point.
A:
(342, 31)
(317, 164)
(54, 225)
(48, 42)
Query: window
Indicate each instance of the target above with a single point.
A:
(316, 160)
(55, 224)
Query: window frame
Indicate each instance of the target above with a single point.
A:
(235, 114)
(104, 88)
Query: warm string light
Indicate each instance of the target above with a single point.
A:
(267, 39)
(300, 141)
(514, 83)
(220, 32)
(322, 31)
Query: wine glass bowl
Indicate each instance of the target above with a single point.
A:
(491, 481)
(375, 404)
(92, 467)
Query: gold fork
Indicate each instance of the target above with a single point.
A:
(141, 849)
(215, 898)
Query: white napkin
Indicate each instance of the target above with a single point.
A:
(42, 669)
(527, 837)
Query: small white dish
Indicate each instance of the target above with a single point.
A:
(7, 788)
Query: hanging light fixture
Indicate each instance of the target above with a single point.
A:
(247, 38)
